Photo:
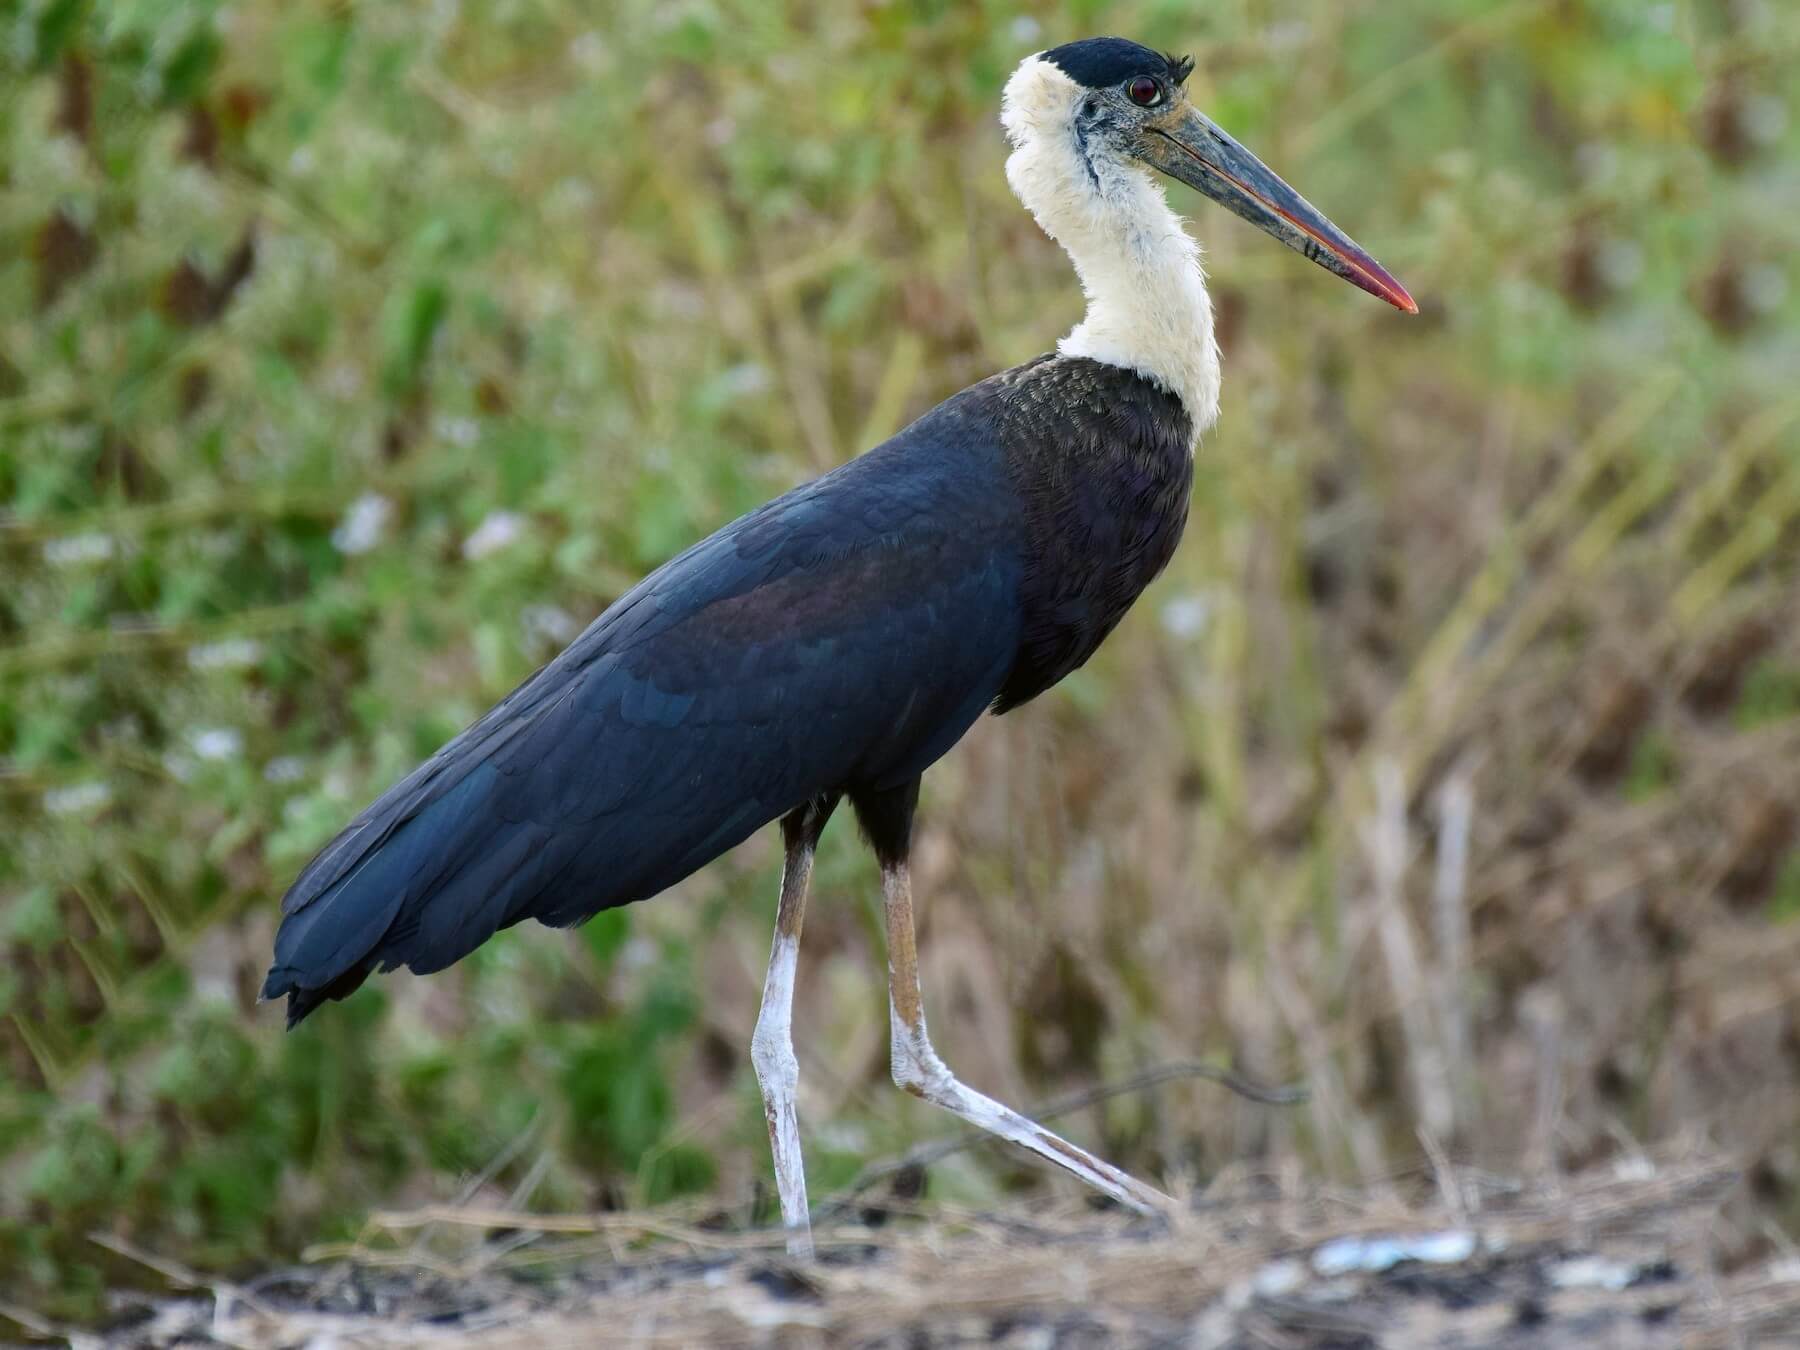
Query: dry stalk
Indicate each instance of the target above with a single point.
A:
(1385, 841)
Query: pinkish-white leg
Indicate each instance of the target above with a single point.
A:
(772, 1047)
(918, 1070)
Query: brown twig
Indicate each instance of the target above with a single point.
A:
(182, 1277)
(42, 1326)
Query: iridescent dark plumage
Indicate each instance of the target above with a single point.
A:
(834, 642)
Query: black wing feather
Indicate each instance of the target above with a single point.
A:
(848, 632)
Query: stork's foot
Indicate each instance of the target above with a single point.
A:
(918, 1070)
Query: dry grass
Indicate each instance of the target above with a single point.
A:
(1622, 1257)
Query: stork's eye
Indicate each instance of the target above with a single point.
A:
(1144, 91)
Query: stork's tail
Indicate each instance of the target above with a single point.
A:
(417, 880)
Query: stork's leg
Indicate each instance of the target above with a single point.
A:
(919, 1071)
(772, 1047)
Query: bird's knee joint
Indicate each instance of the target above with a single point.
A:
(908, 1076)
(917, 1069)
(772, 1056)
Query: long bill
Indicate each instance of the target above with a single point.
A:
(1190, 147)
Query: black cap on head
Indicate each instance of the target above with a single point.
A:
(1101, 62)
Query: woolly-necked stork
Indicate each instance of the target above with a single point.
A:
(836, 642)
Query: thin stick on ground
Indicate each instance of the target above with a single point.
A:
(182, 1277)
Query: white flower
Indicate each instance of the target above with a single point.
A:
(589, 52)
(549, 624)
(363, 524)
(284, 769)
(500, 529)
(230, 654)
(463, 431)
(1186, 616)
(342, 381)
(746, 380)
(74, 549)
(216, 742)
(76, 798)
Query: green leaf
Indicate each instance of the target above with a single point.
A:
(185, 75)
(56, 25)
(412, 321)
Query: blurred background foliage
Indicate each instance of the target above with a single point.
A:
(352, 357)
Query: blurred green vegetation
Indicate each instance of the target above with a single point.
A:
(352, 357)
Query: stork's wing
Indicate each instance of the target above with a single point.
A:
(848, 632)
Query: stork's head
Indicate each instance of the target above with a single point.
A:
(1086, 119)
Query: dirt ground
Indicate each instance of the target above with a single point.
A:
(1624, 1258)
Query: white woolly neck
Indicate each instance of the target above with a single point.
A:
(1148, 309)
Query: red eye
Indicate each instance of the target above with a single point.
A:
(1144, 91)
